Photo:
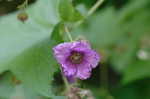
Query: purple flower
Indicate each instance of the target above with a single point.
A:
(76, 58)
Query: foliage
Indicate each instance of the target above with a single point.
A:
(121, 36)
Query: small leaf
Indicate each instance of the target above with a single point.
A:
(57, 34)
(67, 12)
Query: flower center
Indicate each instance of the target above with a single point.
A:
(76, 57)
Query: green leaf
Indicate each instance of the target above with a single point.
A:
(136, 71)
(44, 12)
(35, 67)
(67, 12)
(26, 48)
(57, 34)
(15, 36)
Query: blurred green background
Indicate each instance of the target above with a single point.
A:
(119, 30)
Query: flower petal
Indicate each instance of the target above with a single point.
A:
(83, 71)
(92, 58)
(69, 69)
(62, 51)
(81, 45)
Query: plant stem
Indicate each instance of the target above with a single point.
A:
(66, 83)
(65, 80)
(68, 33)
(26, 3)
(91, 11)
(94, 8)
(23, 5)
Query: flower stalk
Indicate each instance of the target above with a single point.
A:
(67, 85)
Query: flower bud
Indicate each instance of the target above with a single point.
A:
(23, 16)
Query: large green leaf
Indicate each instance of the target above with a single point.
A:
(15, 36)
(26, 48)
(35, 67)
(45, 12)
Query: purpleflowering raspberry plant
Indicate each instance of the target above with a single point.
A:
(76, 58)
